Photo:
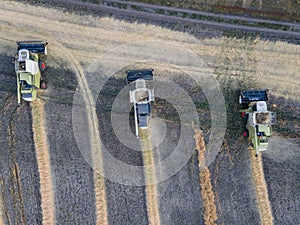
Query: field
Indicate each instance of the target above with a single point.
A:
(46, 178)
(280, 10)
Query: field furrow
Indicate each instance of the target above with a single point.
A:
(46, 178)
(99, 184)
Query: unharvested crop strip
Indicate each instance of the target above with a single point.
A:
(264, 205)
(43, 161)
(151, 188)
(99, 183)
(208, 197)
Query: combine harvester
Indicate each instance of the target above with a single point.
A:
(29, 62)
(140, 97)
(259, 120)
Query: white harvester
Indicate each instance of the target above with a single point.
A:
(141, 97)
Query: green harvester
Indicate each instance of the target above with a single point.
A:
(258, 119)
(29, 62)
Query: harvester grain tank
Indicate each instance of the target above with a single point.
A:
(29, 62)
(258, 119)
(140, 97)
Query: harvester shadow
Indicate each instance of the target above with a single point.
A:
(8, 78)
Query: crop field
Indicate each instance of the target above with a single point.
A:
(257, 8)
(45, 178)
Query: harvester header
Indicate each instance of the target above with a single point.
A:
(248, 96)
(33, 46)
(133, 75)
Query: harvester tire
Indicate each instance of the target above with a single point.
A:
(42, 65)
(240, 100)
(246, 133)
(245, 116)
(43, 85)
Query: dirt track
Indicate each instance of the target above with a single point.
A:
(179, 196)
(73, 177)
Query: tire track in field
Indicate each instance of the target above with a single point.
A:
(99, 184)
(15, 182)
(100, 194)
(208, 196)
(4, 212)
(2, 207)
(150, 178)
(247, 57)
(14, 173)
(4, 215)
(261, 189)
(43, 161)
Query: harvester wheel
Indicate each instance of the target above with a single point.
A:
(240, 100)
(42, 65)
(245, 116)
(43, 85)
(246, 133)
